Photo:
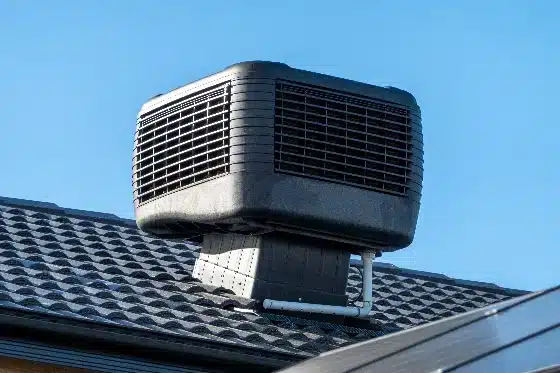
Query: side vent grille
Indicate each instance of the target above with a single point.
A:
(348, 139)
(182, 143)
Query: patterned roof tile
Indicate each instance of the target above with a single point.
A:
(97, 267)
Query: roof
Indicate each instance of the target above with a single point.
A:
(500, 337)
(99, 268)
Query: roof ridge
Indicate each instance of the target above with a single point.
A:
(441, 278)
(58, 210)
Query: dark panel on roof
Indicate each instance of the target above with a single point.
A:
(482, 337)
(535, 352)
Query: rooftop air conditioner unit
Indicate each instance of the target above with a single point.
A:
(288, 164)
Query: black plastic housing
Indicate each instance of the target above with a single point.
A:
(243, 186)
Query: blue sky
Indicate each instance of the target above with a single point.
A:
(73, 76)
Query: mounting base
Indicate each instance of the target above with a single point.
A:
(276, 266)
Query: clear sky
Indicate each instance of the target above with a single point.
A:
(73, 75)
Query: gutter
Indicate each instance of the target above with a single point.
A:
(15, 324)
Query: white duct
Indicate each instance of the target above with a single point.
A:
(367, 258)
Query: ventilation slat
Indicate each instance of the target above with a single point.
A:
(186, 140)
(336, 100)
(171, 161)
(179, 105)
(336, 113)
(333, 155)
(181, 122)
(169, 178)
(182, 143)
(331, 136)
(187, 155)
(345, 169)
(352, 134)
(371, 165)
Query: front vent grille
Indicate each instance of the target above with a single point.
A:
(348, 139)
(182, 144)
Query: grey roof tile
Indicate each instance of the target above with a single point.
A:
(98, 267)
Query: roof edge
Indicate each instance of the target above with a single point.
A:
(424, 275)
(53, 208)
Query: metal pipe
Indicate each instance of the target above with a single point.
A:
(367, 258)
